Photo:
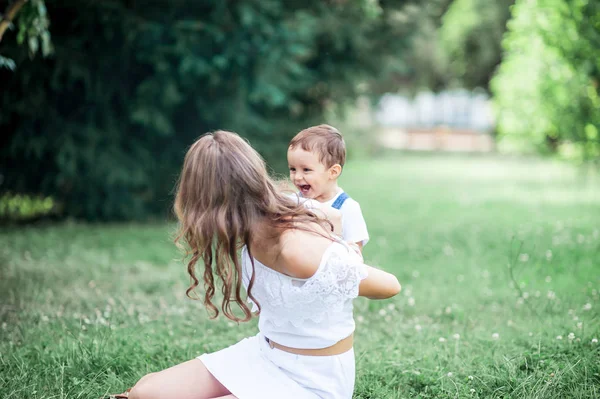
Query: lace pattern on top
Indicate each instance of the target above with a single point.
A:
(318, 298)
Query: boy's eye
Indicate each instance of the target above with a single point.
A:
(306, 170)
(292, 169)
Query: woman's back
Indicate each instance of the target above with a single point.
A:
(306, 292)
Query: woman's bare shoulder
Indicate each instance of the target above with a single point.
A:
(301, 252)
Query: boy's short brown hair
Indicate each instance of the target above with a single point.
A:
(325, 140)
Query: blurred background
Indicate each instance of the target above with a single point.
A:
(100, 99)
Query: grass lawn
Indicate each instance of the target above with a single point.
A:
(88, 309)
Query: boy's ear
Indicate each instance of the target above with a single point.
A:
(335, 171)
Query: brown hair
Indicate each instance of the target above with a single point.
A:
(223, 192)
(326, 140)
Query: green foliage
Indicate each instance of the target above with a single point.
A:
(88, 309)
(22, 207)
(547, 87)
(456, 43)
(33, 26)
(423, 63)
(33, 23)
(470, 36)
(102, 126)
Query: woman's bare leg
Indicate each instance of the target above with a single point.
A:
(189, 380)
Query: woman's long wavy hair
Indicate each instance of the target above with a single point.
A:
(223, 193)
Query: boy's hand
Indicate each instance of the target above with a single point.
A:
(328, 213)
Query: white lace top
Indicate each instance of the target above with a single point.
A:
(307, 313)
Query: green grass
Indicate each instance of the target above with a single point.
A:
(88, 309)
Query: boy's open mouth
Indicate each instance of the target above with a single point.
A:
(304, 188)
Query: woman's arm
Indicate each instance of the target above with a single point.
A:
(379, 284)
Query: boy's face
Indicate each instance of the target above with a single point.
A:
(310, 176)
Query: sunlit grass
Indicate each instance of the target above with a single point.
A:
(88, 309)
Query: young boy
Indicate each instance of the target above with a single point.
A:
(316, 157)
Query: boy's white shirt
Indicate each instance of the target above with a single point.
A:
(354, 227)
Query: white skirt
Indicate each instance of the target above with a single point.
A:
(251, 369)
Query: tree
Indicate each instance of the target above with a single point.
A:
(102, 125)
(456, 43)
(471, 35)
(547, 86)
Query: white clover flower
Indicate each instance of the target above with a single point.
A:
(520, 301)
(571, 336)
(525, 295)
(456, 336)
(448, 310)
(549, 254)
(360, 319)
(449, 374)
(530, 334)
(411, 301)
(418, 327)
(470, 377)
(537, 294)
(460, 278)
(587, 306)
(510, 323)
(416, 274)
(548, 279)
(472, 390)
(551, 295)
(495, 336)
(580, 238)
(448, 250)
(442, 339)
(382, 312)
(580, 325)
(523, 257)
(594, 340)
(559, 337)
(391, 307)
